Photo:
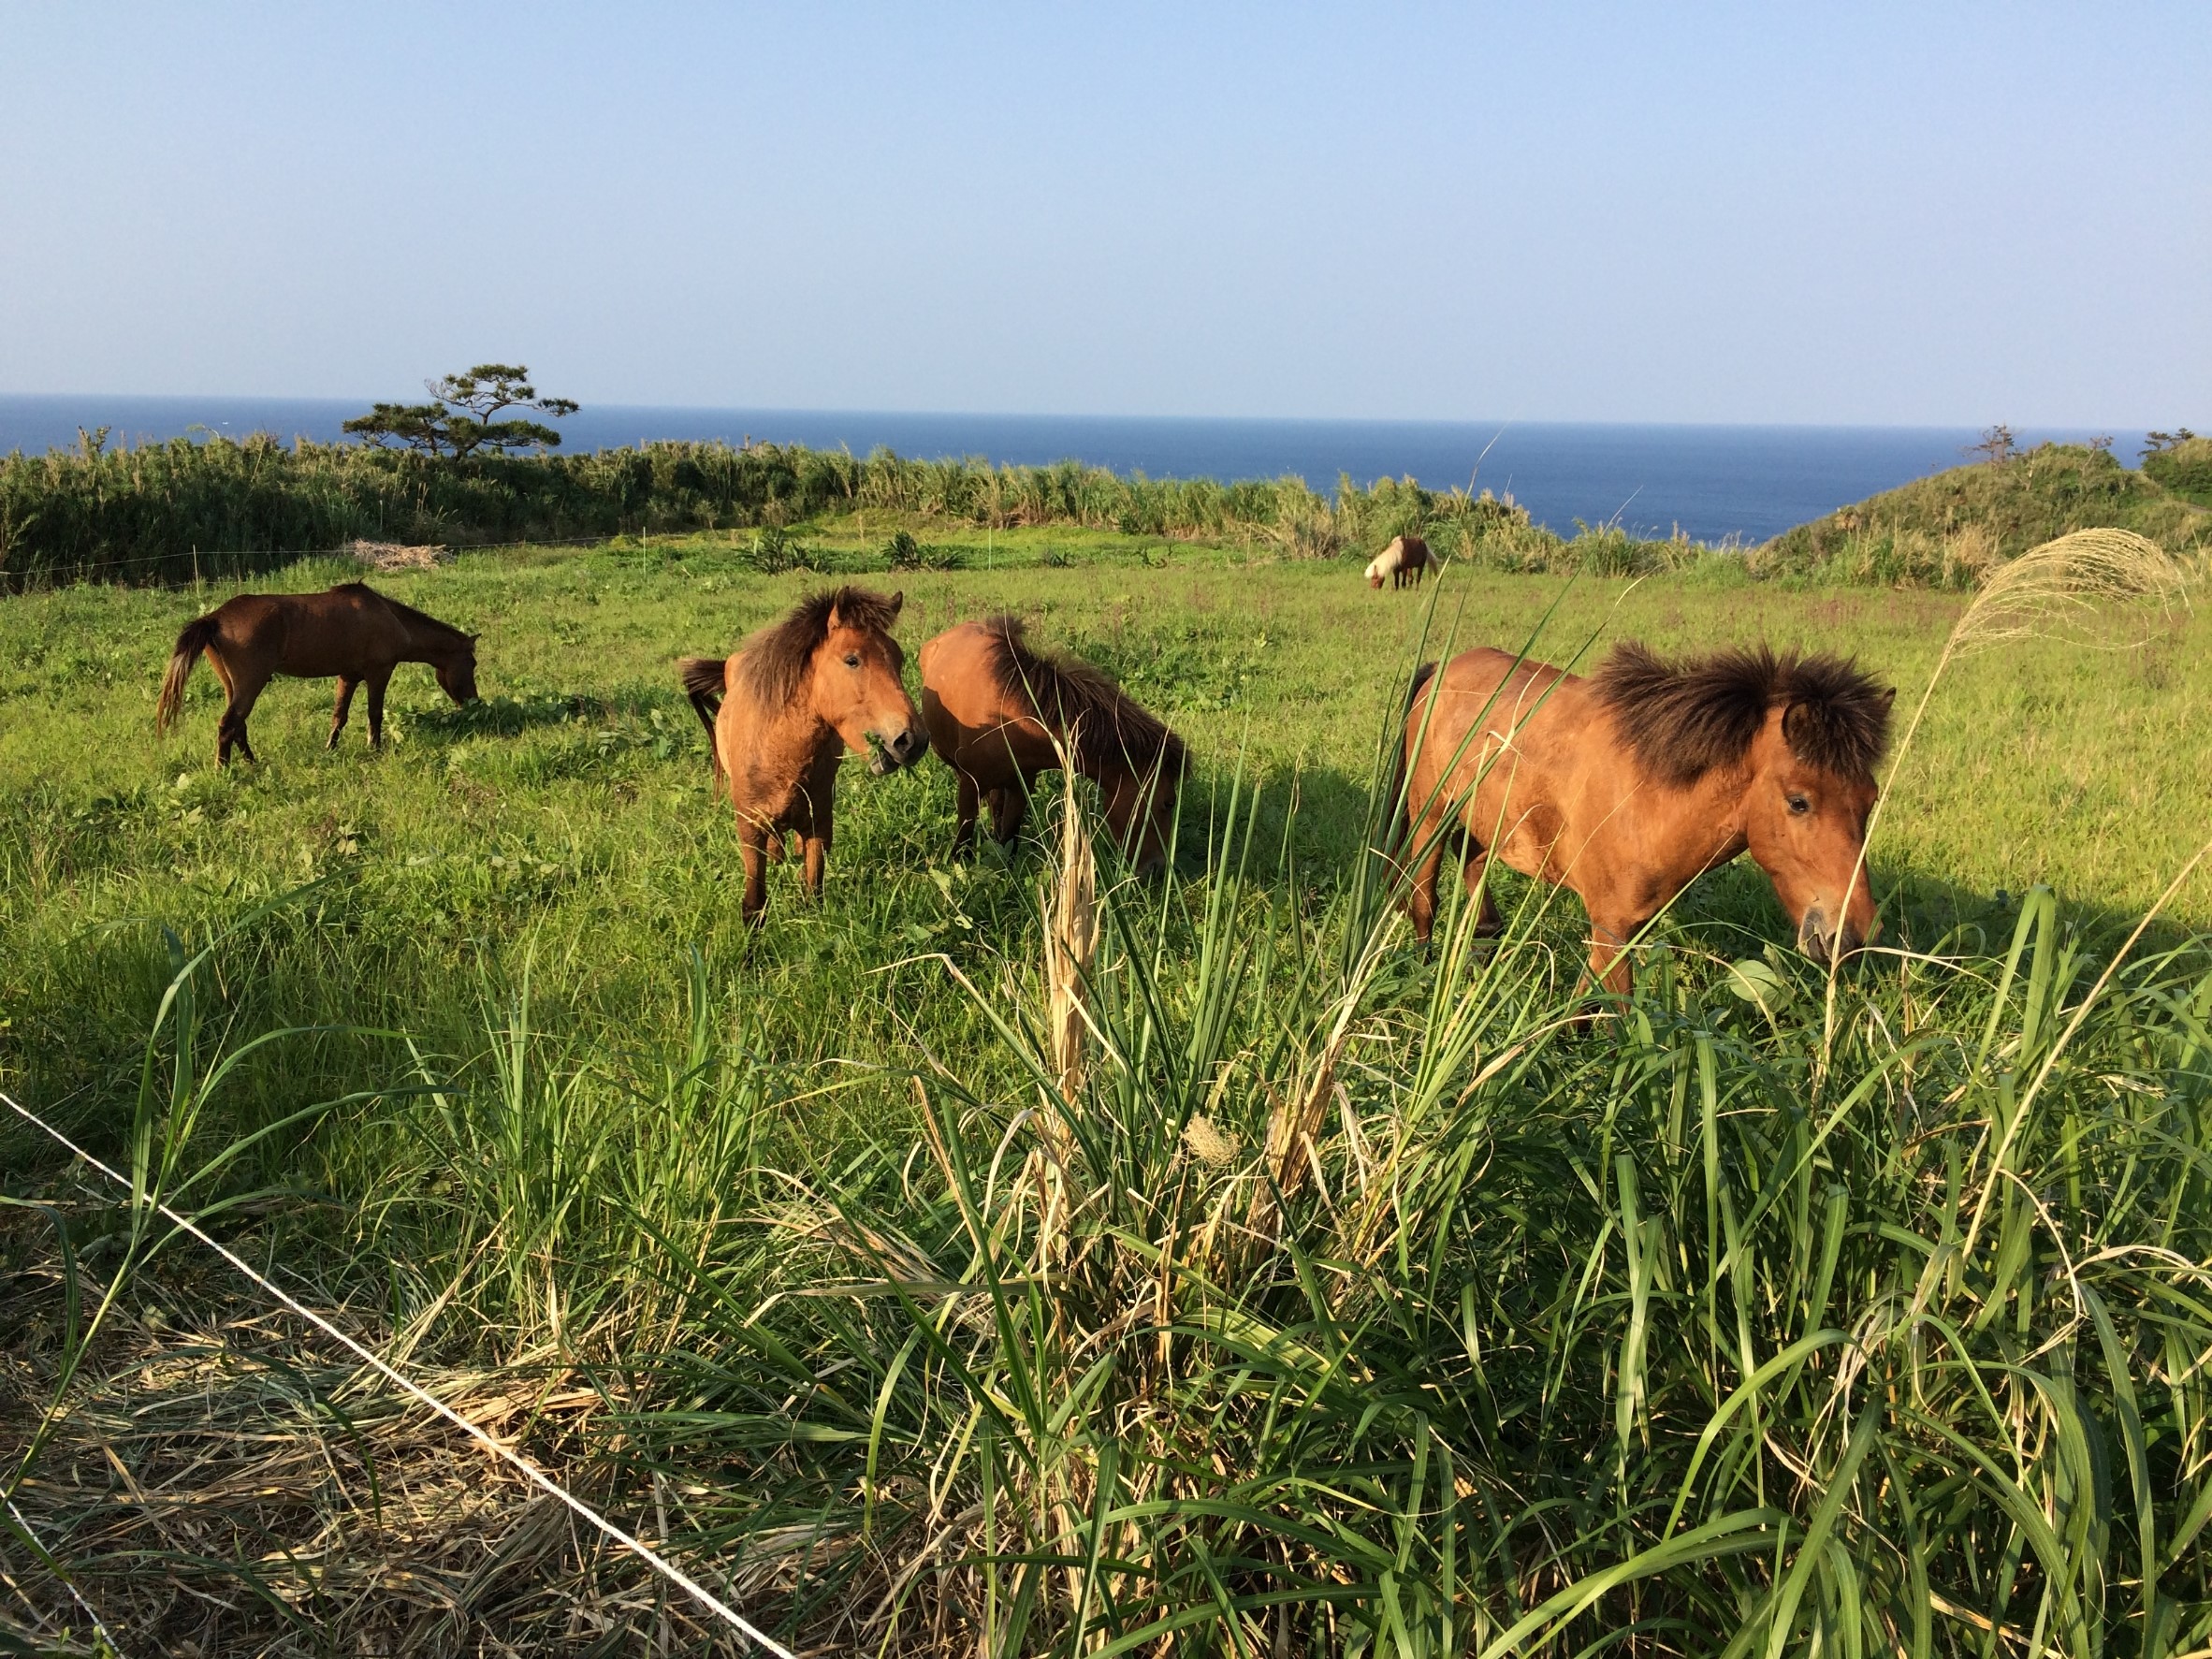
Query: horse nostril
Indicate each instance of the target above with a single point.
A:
(1813, 935)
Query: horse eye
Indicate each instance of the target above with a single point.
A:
(1798, 804)
(851, 661)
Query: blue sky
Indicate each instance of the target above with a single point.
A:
(1923, 214)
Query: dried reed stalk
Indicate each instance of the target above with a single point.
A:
(2071, 580)
(1071, 945)
(2071, 584)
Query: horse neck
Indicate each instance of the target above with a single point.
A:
(1703, 823)
(802, 720)
(432, 642)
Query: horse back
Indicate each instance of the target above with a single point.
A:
(1411, 553)
(1505, 744)
(350, 632)
(972, 721)
(1551, 778)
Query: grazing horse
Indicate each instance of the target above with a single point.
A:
(1626, 785)
(1403, 561)
(352, 632)
(1000, 713)
(781, 711)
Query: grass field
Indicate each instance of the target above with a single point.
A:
(1864, 1283)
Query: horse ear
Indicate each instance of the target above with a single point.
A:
(898, 600)
(1888, 700)
(829, 623)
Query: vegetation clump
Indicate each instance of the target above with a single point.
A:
(1950, 530)
(2182, 464)
(775, 551)
(904, 552)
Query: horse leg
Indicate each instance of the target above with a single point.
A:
(1610, 966)
(376, 685)
(814, 841)
(752, 839)
(1486, 926)
(963, 836)
(1420, 897)
(245, 690)
(345, 702)
(1010, 806)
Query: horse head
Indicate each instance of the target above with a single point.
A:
(1140, 801)
(1805, 821)
(456, 673)
(858, 683)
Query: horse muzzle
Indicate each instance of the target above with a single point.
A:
(1825, 940)
(905, 750)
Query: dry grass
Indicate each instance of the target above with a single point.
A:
(224, 1488)
(392, 555)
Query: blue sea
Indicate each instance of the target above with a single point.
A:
(1715, 483)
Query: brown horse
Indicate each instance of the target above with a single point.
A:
(351, 632)
(1000, 713)
(782, 710)
(1628, 785)
(1403, 561)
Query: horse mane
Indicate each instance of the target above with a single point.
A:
(1684, 718)
(1107, 726)
(775, 659)
(407, 613)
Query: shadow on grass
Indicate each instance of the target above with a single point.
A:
(513, 715)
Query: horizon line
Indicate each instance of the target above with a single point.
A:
(818, 411)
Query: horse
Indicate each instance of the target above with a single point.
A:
(1403, 561)
(1626, 785)
(1000, 713)
(781, 710)
(352, 632)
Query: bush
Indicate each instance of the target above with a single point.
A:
(903, 552)
(2185, 467)
(772, 552)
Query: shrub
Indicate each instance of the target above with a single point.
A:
(2185, 467)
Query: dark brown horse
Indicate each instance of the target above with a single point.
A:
(1000, 713)
(1626, 785)
(351, 632)
(782, 710)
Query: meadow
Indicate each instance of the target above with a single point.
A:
(1300, 1291)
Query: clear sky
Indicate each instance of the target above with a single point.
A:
(1911, 213)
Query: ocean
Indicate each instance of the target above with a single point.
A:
(1714, 483)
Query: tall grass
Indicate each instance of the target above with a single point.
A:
(1287, 1292)
(184, 509)
(1257, 1284)
(1332, 1302)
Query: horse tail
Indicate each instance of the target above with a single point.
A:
(702, 681)
(1399, 817)
(197, 637)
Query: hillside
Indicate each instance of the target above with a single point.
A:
(1947, 530)
(2185, 469)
